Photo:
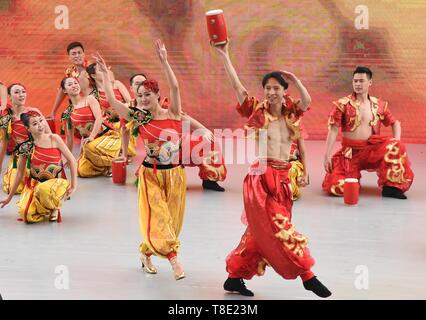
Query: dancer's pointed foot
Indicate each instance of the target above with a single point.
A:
(177, 269)
(147, 264)
(54, 216)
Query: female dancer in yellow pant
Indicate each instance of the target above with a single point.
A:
(162, 182)
(99, 144)
(44, 189)
(111, 117)
(12, 128)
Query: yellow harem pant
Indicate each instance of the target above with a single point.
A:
(131, 149)
(161, 198)
(296, 171)
(97, 155)
(39, 199)
(10, 175)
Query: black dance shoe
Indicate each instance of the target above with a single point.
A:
(212, 185)
(317, 287)
(237, 285)
(392, 192)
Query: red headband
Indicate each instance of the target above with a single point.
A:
(151, 85)
(33, 113)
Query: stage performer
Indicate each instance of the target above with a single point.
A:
(270, 238)
(99, 144)
(162, 180)
(46, 186)
(112, 119)
(13, 132)
(363, 148)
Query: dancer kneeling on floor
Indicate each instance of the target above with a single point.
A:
(46, 186)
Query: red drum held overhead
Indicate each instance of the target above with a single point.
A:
(119, 171)
(216, 27)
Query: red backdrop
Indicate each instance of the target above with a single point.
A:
(317, 40)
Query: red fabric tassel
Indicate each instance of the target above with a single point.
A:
(59, 217)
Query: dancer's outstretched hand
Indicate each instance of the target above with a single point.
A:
(65, 164)
(328, 166)
(100, 62)
(69, 192)
(122, 159)
(4, 202)
(161, 50)
(85, 141)
(222, 49)
(304, 180)
(288, 76)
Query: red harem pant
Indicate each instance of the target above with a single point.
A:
(385, 155)
(201, 153)
(270, 238)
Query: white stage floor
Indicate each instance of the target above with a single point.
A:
(98, 242)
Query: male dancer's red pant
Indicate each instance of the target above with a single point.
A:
(270, 238)
(385, 155)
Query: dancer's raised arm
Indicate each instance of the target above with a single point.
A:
(175, 105)
(305, 98)
(240, 90)
(121, 108)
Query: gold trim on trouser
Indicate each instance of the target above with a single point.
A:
(38, 200)
(161, 198)
(9, 177)
(396, 160)
(337, 189)
(296, 171)
(96, 158)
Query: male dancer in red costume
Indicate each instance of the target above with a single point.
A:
(363, 148)
(270, 237)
